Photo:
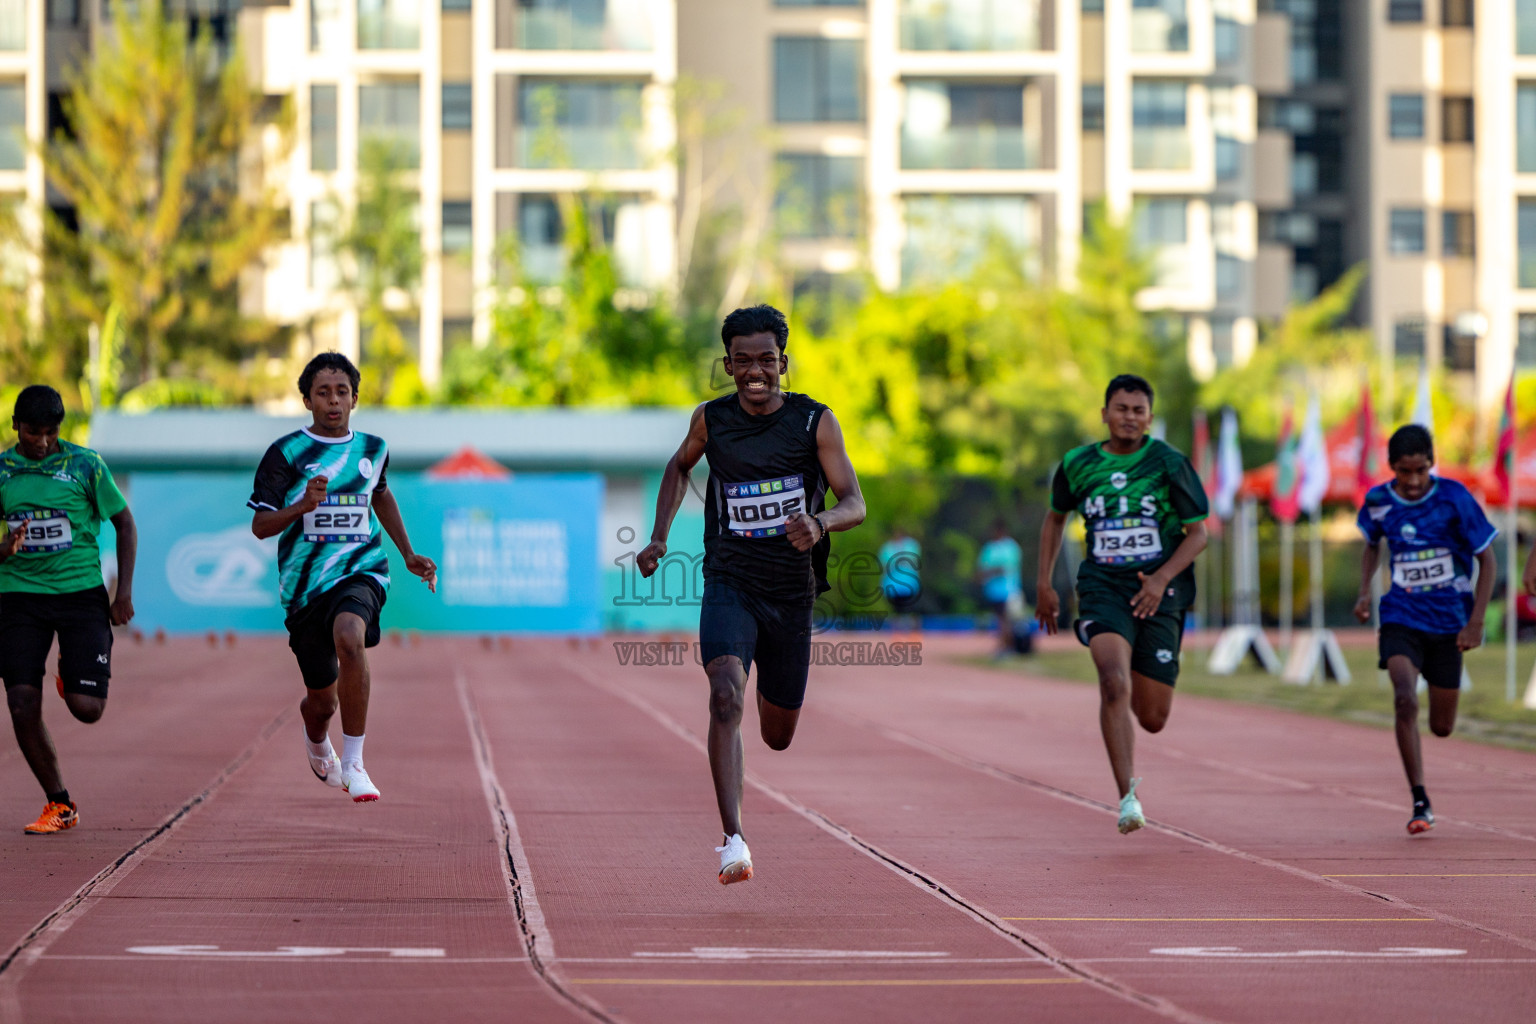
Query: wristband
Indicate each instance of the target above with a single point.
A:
(820, 524)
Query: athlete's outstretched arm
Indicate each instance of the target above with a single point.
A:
(127, 554)
(674, 488)
(388, 511)
(1047, 604)
(1368, 563)
(1472, 633)
(802, 528)
(1145, 604)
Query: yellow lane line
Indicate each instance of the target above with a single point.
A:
(1438, 875)
(748, 983)
(1218, 918)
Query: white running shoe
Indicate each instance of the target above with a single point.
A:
(327, 768)
(355, 781)
(735, 860)
(1131, 817)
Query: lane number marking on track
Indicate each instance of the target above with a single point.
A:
(292, 952)
(1237, 952)
(773, 953)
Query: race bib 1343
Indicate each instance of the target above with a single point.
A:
(762, 507)
(1126, 540)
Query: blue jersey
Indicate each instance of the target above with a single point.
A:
(1432, 542)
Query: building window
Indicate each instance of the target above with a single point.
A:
(1093, 107)
(1458, 351)
(1093, 6)
(818, 80)
(1456, 119)
(1525, 341)
(390, 112)
(64, 12)
(457, 236)
(457, 5)
(1295, 116)
(1287, 227)
(1405, 115)
(818, 3)
(1525, 234)
(1159, 134)
(325, 26)
(1161, 222)
(965, 126)
(1405, 231)
(948, 235)
(13, 25)
(1456, 233)
(1525, 27)
(458, 106)
(322, 127)
(1227, 38)
(618, 220)
(388, 24)
(1229, 158)
(1525, 127)
(970, 26)
(586, 125)
(583, 25)
(1405, 11)
(819, 196)
(1304, 170)
(1456, 13)
(1408, 338)
(13, 126)
(1159, 26)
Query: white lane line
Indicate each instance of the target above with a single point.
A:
(776, 953)
(920, 879)
(1005, 775)
(516, 875)
(1238, 953)
(290, 952)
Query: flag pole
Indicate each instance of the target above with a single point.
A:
(1511, 583)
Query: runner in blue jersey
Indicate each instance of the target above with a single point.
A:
(1435, 531)
(322, 492)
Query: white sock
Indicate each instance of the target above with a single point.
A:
(321, 749)
(351, 750)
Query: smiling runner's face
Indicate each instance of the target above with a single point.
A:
(755, 363)
(332, 400)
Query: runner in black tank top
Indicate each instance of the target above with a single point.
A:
(772, 458)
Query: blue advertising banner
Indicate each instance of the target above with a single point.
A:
(517, 555)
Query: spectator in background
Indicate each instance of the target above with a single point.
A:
(900, 565)
(999, 567)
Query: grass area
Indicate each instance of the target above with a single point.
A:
(1484, 714)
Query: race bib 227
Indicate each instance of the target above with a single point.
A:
(340, 519)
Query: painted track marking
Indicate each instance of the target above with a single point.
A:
(1352, 919)
(1446, 874)
(519, 882)
(1238, 953)
(922, 880)
(986, 768)
(826, 983)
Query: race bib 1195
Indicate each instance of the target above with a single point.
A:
(1126, 540)
(762, 507)
(340, 519)
(1418, 571)
(46, 531)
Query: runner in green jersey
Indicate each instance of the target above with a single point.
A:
(53, 498)
(322, 492)
(1145, 510)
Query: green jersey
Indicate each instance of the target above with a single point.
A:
(60, 501)
(1135, 506)
(341, 537)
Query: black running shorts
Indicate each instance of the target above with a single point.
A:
(1155, 640)
(311, 629)
(1435, 655)
(83, 623)
(777, 634)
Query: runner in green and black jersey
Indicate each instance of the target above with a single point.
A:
(1145, 511)
(53, 498)
(772, 455)
(322, 492)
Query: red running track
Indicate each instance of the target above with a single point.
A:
(939, 842)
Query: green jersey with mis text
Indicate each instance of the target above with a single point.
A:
(1135, 507)
(60, 501)
(339, 538)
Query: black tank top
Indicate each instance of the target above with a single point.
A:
(762, 470)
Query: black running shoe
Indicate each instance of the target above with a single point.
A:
(1423, 818)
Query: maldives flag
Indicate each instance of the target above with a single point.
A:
(1504, 460)
(1286, 501)
(1365, 472)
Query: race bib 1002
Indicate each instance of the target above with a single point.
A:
(1418, 571)
(340, 519)
(46, 531)
(762, 507)
(1126, 540)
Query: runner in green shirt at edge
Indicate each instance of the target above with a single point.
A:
(1145, 510)
(53, 498)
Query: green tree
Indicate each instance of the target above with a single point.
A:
(164, 169)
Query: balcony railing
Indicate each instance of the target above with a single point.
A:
(587, 149)
(13, 25)
(972, 148)
(623, 26)
(970, 26)
(388, 25)
(1161, 149)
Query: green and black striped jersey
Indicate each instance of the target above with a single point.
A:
(1135, 506)
(341, 537)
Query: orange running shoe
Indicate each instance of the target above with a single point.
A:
(55, 818)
